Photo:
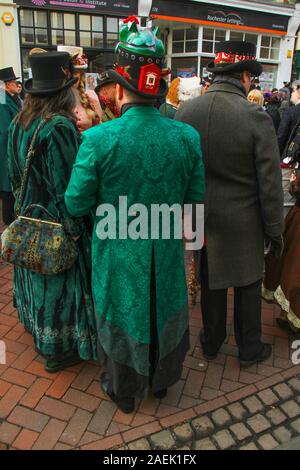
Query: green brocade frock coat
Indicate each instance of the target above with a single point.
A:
(150, 160)
(56, 309)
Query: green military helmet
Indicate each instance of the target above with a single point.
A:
(139, 60)
(144, 41)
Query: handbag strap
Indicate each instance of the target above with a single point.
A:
(28, 209)
(28, 160)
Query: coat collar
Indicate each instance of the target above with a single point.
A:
(227, 88)
(12, 102)
(141, 111)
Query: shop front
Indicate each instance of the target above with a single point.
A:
(92, 24)
(192, 29)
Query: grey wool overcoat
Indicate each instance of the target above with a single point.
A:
(244, 199)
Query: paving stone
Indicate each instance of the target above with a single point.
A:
(224, 439)
(253, 404)
(276, 416)
(240, 431)
(102, 418)
(202, 426)
(162, 440)
(282, 434)
(258, 423)
(291, 408)
(183, 433)
(296, 425)
(8, 432)
(141, 444)
(250, 446)
(237, 411)
(283, 391)
(268, 397)
(204, 444)
(295, 384)
(221, 417)
(267, 442)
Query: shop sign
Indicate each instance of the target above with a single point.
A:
(120, 7)
(220, 15)
(7, 18)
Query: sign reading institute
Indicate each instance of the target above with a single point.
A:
(122, 7)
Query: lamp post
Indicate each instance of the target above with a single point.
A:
(144, 9)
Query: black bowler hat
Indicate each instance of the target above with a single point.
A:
(51, 73)
(235, 56)
(7, 75)
(104, 79)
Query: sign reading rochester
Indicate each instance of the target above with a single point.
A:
(220, 14)
(125, 7)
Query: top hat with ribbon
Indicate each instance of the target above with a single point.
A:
(235, 56)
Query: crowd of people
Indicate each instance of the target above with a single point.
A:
(65, 151)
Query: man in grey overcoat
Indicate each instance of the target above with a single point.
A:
(244, 200)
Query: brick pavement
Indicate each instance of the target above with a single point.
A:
(68, 410)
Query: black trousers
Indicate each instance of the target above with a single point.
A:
(247, 316)
(8, 201)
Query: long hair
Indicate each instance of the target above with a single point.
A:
(47, 106)
(84, 99)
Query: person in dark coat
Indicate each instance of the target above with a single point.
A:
(272, 104)
(10, 105)
(289, 119)
(243, 204)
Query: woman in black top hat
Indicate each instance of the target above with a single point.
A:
(58, 309)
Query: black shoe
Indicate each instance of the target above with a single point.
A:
(124, 404)
(265, 354)
(161, 393)
(209, 357)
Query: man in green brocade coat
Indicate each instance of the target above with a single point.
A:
(139, 285)
(10, 105)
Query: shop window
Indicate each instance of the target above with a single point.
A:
(210, 38)
(185, 40)
(33, 27)
(112, 26)
(268, 78)
(269, 47)
(239, 36)
(63, 28)
(251, 38)
(91, 31)
(27, 35)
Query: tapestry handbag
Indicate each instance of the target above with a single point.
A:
(39, 245)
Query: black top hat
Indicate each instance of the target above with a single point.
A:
(235, 56)
(51, 73)
(7, 74)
